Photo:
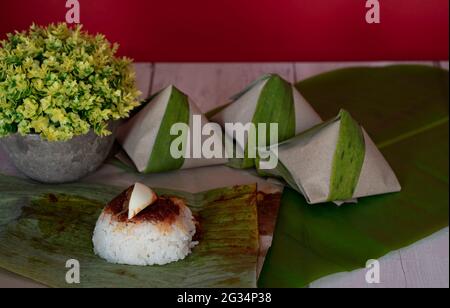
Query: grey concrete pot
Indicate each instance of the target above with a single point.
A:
(58, 162)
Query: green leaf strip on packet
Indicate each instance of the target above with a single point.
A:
(348, 159)
(177, 111)
(275, 105)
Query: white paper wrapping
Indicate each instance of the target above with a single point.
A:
(138, 135)
(306, 163)
(242, 110)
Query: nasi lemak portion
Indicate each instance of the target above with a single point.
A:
(270, 99)
(155, 141)
(334, 161)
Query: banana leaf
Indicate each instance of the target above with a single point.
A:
(41, 227)
(405, 110)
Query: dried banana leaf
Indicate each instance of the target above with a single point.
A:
(41, 227)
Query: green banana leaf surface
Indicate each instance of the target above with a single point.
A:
(43, 226)
(405, 110)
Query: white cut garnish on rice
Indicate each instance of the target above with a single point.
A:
(141, 197)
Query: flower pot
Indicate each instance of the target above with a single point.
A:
(59, 161)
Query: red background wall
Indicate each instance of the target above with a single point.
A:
(252, 30)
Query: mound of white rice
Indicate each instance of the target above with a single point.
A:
(144, 242)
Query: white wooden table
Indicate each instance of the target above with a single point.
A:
(424, 264)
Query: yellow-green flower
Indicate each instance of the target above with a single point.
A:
(60, 82)
(57, 115)
(28, 109)
(39, 124)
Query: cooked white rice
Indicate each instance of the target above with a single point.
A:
(145, 242)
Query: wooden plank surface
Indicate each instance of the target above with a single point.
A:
(144, 78)
(212, 84)
(11, 280)
(424, 264)
(391, 276)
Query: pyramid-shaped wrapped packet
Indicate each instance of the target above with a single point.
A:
(334, 161)
(270, 99)
(147, 138)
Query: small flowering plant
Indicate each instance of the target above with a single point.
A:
(60, 82)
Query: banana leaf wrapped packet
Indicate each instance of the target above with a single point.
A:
(148, 136)
(334, 161)
(270, 99)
